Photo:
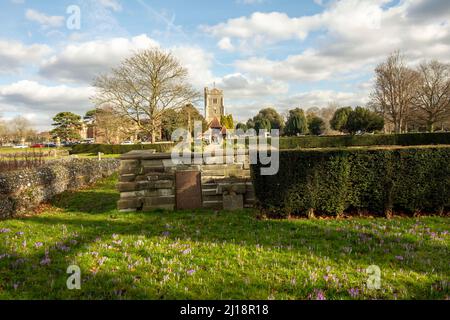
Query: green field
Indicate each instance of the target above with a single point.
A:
(216, 255)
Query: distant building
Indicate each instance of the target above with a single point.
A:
(87, 131)
(214, 104)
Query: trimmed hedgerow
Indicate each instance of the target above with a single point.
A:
(120, 149)
(406, 139)
(376, 181)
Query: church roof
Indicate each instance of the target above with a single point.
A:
(215, 124)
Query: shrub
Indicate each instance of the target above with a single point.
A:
(406, 139)
(120, 149)
(378, 181)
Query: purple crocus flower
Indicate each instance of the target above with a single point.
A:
(46, 261)
(320, 295)
(354, 292)
(191, 272)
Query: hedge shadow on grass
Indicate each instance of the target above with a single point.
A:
(246, 232)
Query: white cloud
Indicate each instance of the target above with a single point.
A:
(355, 35)
(238, 86)
(250, 1)
(111, 4)
(33, 95)
(321, 98)
(40, 102)
(44, 20)
(84, 61)
(197, 61)
(262, 28)
(225, 44)
(15, 55)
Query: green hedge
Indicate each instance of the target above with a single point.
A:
(119, 149)
(375, 181)
(406, 139)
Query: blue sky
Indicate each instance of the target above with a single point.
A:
(277, 53)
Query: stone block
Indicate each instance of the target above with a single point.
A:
(214, 172)
(209, 191)
(132, 203)
(132, 194)
(152, 163)
(126, 186)
(239, 188)
(155, 176)
(145, 185)
(147, 170)
(129, 167)
(233, 202)
(215, 205)
(156, 201)
(168, 163)
(127, 178)
(164, 184)
(216, 197)
(166, 192)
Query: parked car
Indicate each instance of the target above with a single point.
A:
(50, 145)
(88, 141)
(38, 146)
(20, 146)
(127, 143)
(7, 145)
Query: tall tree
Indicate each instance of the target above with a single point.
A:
(241, 126)
(263, 124)
(110, 127)
(67, 126)
(339, 120)
(395, 89)
(296, 123)
(316, 125)
(227, 121)
(432, 99)
(21, 128)
(265, 117)
(250, 124)
(182, 118)
(144, 86)
(363, 120)
(3, 131)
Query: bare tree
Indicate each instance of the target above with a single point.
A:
(395, 89)
(143, 87)
(3, 131)
(21, 128)
(432, 100)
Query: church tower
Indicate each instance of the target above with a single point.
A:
(214, 104)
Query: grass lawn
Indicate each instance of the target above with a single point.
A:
(216, 255)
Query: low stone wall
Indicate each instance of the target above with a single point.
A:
(147, 182)
(23, 190)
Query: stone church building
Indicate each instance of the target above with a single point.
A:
(214, 104)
